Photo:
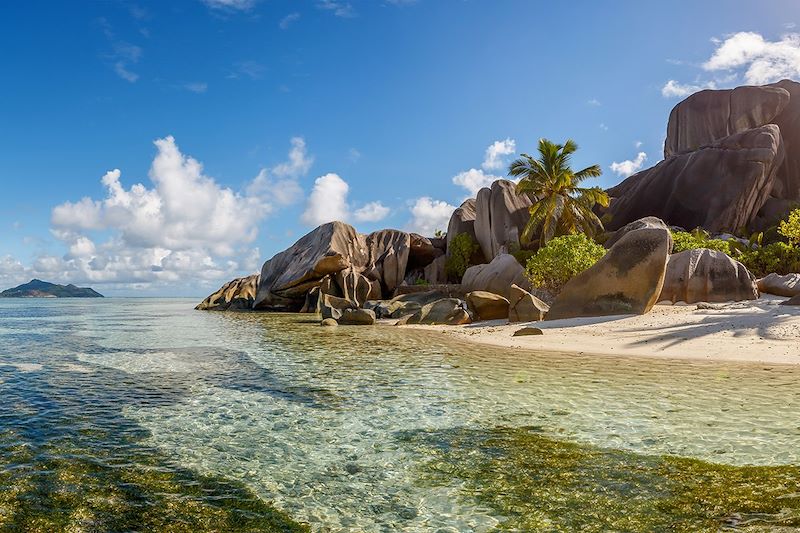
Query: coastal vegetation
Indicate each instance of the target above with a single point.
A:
(699, 238)
(461, 256)
(561, 259)
(560, 205)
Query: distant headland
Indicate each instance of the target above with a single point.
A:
(41, 289)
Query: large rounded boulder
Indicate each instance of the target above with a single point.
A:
(525, 307)
(487, 305)
(627, 280)
(704, 275)
(496, 277)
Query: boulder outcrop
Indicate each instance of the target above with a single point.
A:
(496, 277)
(703, 275)
(627, 280)
(500, 216)
(236, 295)
(524, 306)
(462, 221)
(788, 285)
(289, 275)
(720, 187)
(388, 252)
(487, 305)
(344, 263)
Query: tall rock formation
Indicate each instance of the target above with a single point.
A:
(695, 171)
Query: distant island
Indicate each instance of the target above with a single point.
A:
(41, 289)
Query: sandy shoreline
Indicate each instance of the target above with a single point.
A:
(757, 331)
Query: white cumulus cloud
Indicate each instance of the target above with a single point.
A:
(744, 57)
(495, 158)
(674, 89)
(327, 201)
(629, 166)
(496, 153)
(429, 215)
(371, 212)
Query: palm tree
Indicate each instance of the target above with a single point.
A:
(560, 205)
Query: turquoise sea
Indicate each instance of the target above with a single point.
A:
(143, 414)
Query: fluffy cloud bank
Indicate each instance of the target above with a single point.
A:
(495, 158)
(181, 227)
(328, 202)
(745, 57)
(429, 215)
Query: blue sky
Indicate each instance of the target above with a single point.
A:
(302, 111)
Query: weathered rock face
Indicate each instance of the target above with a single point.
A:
(788, 285)
(720, 187)
(707, 116)
(447, 311)
(627, 280)
(235, 295)
(388, 252)
(646, 222)
(462, 221)
(287, 277)
(707, 276)
(524, 306)
(703, 122)
(487, 305)
(496, 277)
(435, 272)
(500, 216)
(342, 263)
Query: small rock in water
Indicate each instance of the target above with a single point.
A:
(528, 331)
(329, 322)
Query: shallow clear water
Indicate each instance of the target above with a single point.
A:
(336, 426)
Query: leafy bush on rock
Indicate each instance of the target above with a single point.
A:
(698, 238)
(462, 250)
(561, 259)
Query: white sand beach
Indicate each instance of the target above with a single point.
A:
(755, 331)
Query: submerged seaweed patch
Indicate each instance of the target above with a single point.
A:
(539, 483)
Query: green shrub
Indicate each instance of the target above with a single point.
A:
(461, 250)
(790, 228)
(422, 281)
(522, 256)
(698, 239)
(562, 259)
(779, 257)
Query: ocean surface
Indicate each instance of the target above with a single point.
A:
(143, 414)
